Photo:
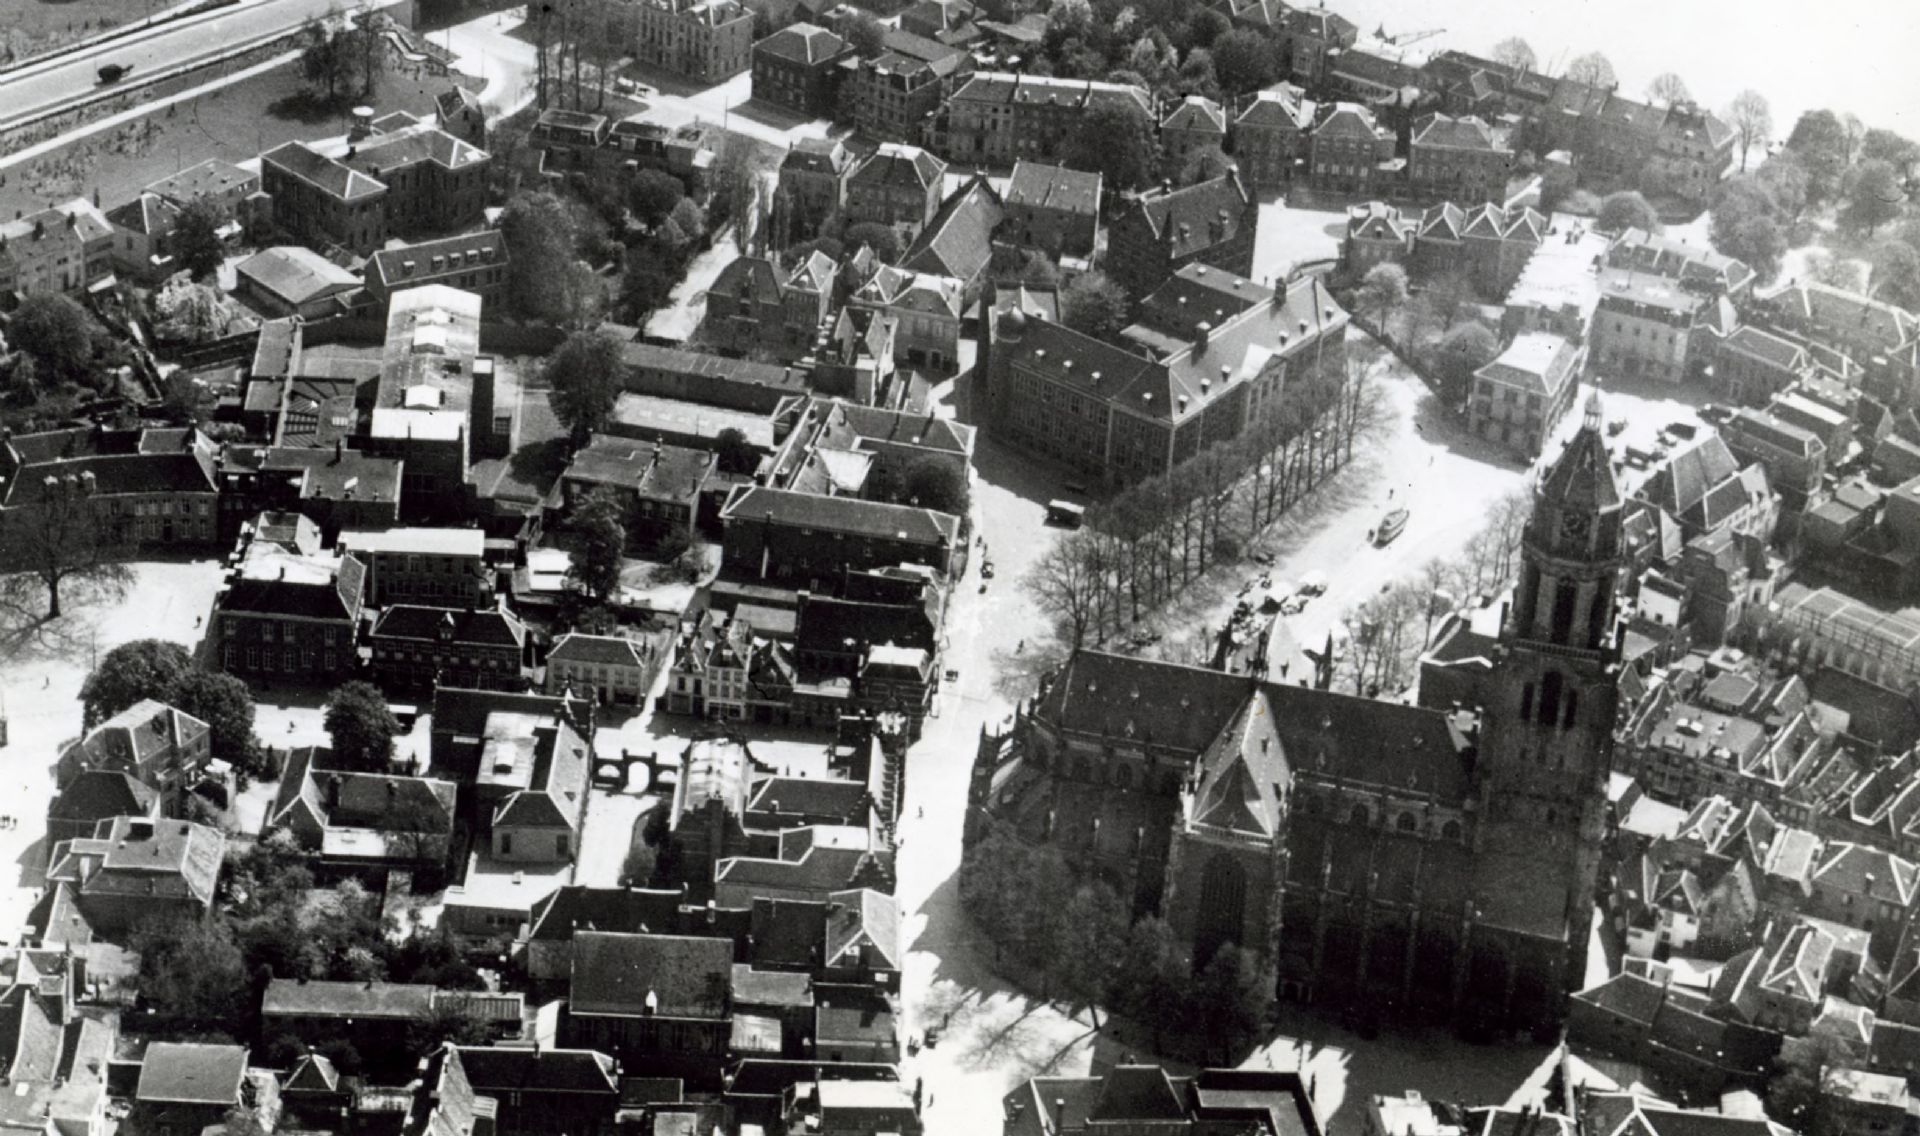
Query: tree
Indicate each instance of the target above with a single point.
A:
(587, 374)
(1203, 164)
(135, 670)
(1593, 69)
(601, 525)
(1038, 272)
(326, 57)
(647, 281)
(1065, 584)
(1668, 89)
(1460, 352)
(1150, 982)
(1896, 274)
(1793, 1092)
(195, 240)
(545, 276)
(225, 704)
(1232, 995)
(1092, 930)
(1842, 272)
(882, 239)
(1745, 225)
(1094, 306)
(1446, 296)
(447, 1020)
(1626, 210)
(57, 332)
(652, 194)
(1383, 292)
(1886, 146)
(1819, 141)
(867, 35)
(192, 974)
(935, 484)
(1196, 75)
(55, 535)
(1752, 120)
(736, 454)
(1244, 60)
(1116, 141)
(1871, 196)
(1516, 53)
(1785, 182)
(1204, 28)
(362, 727)
(689, 218)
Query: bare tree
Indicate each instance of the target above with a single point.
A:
(1752, 120)
(1593, 69)
(60, 536)
(1065, 583)
(1516, 53)
(1668, 89)
(1853, 132)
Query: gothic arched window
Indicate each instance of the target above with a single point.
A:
(1549, 697)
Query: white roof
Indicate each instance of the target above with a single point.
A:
(440, 542)
(862, 1094)
(426, 425)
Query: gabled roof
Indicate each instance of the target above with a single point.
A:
(1282, 104)
(1197, 113)
(866, 924)
(574, 907)
(175, 1072)
(958, 242)
(1037, 185)
(96, 794)
(1197, 216)
(597, 650)
(897, 164)
(1244, 773)
(1467, 132)
(297, 159)
(489, 627)
(1137, 1093)
(500, 1070)
(754, 278)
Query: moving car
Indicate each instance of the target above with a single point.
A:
(114, 72)
(1391, 526)
(1313, 583)
(1065, 514)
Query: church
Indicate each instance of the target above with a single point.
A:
(1401, 861)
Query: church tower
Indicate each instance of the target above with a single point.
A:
(1540, 774)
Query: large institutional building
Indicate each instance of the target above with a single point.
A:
(1413, 862)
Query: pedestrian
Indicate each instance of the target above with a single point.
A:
(923, 812)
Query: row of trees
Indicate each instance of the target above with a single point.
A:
(1069, 935)
(1141, 547)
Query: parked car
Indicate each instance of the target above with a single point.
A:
(1313, 583)
(986, 570)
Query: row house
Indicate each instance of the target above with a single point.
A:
(1882, 339)
(704, 40)
(1177, 386)
(1194, 125)
(1754, 364)
(62, 248)
(1704, 489)
(416, 648)
(799, 68)
(1757, 750)
(146, 487)
(898, 93)
(928, 311)
(724, 668)
(1270, 135)
(759, 304)
(442, 567)
(897, 185)
(1795, 459)
(1052, 208)
(288, 611)
(1696, 268)
(661, 1005)
(1458, 157)
(1490, 244)
(997, 118)
(1162, 231)
(618, 670)
(1351, 152)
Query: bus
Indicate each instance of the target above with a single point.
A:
(1066, 514)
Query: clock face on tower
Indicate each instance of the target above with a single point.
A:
(1573, 526)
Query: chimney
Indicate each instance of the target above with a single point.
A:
(1202, 332)
(1059, 1113)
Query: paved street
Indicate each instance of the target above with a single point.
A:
(37, 87)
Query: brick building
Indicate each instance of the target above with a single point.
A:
(998, 117)
(1052, 208)
(799, 68)
(704, 40)
(1270, 135)
(1161, 231)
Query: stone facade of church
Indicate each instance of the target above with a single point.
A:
(1403, 861)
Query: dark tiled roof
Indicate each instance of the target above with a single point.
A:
(96, 794)
(896, 164)
(602, 650)
(174, 1072)
(1137, 1093)
(1041, 186)
(1187, 217)
(574, 908)
(616, 973)
(843, 514)
(958, 242)
(492, 627)
(499, 1070)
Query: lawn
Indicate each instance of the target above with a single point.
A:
(235, 123)
(36, 26)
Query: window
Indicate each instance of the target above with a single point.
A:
(506, 844)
